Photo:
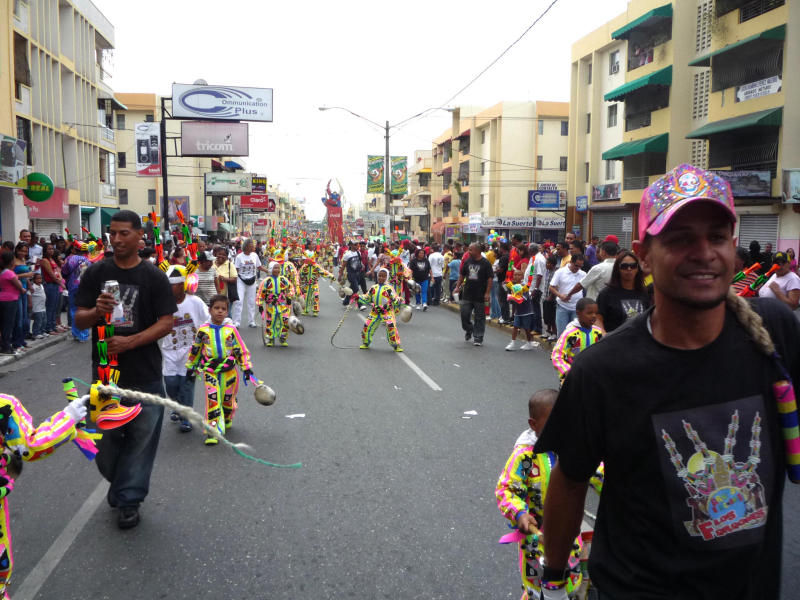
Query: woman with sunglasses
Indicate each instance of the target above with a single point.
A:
(625, 295)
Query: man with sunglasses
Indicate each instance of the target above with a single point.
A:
(681, 406)
(599, 275)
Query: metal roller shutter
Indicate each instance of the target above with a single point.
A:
(44, 227)
(609, 222)
(762, 228)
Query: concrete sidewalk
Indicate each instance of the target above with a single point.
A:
(35, 346)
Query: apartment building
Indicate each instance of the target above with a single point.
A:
(416, 209)
(691, 81)
(499, 155)
(55, 95)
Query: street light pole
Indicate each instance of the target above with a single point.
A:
(387, 171)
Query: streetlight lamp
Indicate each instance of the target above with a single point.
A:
(387, 191)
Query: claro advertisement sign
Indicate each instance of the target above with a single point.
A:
(222, 103)
(203, 138)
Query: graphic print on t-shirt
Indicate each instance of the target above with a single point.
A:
(474, 270)
(718, 472)
(183, 332)
(124, 314)
(631, 307)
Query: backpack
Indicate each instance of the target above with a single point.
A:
(354, 264)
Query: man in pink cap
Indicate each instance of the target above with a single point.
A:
(678, 404)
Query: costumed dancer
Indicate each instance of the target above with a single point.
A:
(521, 491)
(288, 270)
(217, 350)
(309, 274)
(275, 303)
(384, 301)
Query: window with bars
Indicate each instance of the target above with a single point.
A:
(612, 115)
(702, 86)
(564, 127)
(703, 35)
(120, 121)
(610, 169)
(700, 153)
(123, 196)
(122, 161)
(151, 197)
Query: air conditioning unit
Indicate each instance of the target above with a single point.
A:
(615, 68)
(28, 169)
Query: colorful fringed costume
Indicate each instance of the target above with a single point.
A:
(310, 272)
(398, 273)
(573, 340)
(274, 299)
(383, 301)
(522, 488)
(216, 351)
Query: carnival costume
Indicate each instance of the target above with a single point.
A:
(384, 301)
(398, 272)
(288, 270)
(522, 488)
(573, 340)
(310, 272)
(274, 300)
(217, 349)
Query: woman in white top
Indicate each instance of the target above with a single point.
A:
(247, 267)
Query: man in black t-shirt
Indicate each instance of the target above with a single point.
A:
(142, 317)
(679, 407)
(476, 280)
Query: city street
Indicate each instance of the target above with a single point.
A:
(395, 498)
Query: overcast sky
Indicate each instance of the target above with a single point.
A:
(382, 60)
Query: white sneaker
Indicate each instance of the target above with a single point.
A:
(418, 307)
(512, 345)
(529, 345)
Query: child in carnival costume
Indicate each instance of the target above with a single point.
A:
(310, 272)
(217, 350)
(288, 270)
(274, 300)
(577, 336)
(521, 491)
(384, 301)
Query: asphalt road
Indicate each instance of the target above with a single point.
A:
(395, 498)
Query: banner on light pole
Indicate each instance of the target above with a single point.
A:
(399, 175)
(374, 174)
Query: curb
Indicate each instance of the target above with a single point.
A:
(543, 343)
(34, 347)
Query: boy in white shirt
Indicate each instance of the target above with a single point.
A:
(175, 346)
(38, 312)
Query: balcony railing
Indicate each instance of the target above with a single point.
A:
(754, 9)
(637, 121)
(108, 134)
(636, 182)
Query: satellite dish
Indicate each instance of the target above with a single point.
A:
(200, 82)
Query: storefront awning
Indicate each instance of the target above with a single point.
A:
(215, 164)
(231, 164)
(227, 227)
(438, 227)
(662, 77)
(647, 19)
(766, 118)
(655, 144)
(463, 134)
(776, 33)
(106, 214)
(425, 171)
(87, 210)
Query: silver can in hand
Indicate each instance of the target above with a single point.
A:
(112, 287)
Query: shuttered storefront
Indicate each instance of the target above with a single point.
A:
(609, 222)
(44, 227)
(762, 228)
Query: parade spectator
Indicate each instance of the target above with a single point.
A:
(247, 266)
(562, 252)
(673, 378)
(625, 295)
(437, 272)
(549, 299)
(476, 279)
(598, 276)
(227, 276)
(569, 237)
(23, 271)
(127, 453)
(38, 310)
(72, 270)
(421, 272)
(534, 278)
(766, 258)
(10, 292)
(500, 271)
(783, 285)
(792, 260)
(52, 279)
(453, 273)
(206, 277)
(522, 306)
(577, 336)
(591, 252)
(755, 252)
(561, 287)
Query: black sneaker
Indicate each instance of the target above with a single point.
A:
(467, 336)
(174, 417)
(477, 342)
(128, 517)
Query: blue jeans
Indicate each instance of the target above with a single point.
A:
(78, 334)
(422, 296)
(38, 322)
(126, 454)
(536, 325)
(494, 307)
(52, 304)
(23, 326)
(180, 389)
(563, 318)
(436, 291)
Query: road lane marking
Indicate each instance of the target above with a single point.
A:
(413, 366)
(47, 564)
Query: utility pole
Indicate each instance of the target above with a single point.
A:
(165, 199)
(387, 178)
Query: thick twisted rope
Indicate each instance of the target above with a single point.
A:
(191, 415)
(339, 326)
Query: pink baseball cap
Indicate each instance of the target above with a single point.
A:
(680, 187)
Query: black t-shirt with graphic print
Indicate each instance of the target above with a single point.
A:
(146, 296)
(694, 459)
(477, 274)
(617, 305)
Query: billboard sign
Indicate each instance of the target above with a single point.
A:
(610, 191)
(748, 184)
(791, 186)
(175, 204)
(582, 203)
(204, 138)
(148, 149)
(414, 211)
(12, 162)
(543, 200)
(225, 184)
(399, 175)
(55, 207)
(259, 184)
(258, 202)
(550, 223)
(222, 103)
(508, 222)
(374, 174)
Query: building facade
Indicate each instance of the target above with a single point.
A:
(692, 81)
(55, 95)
